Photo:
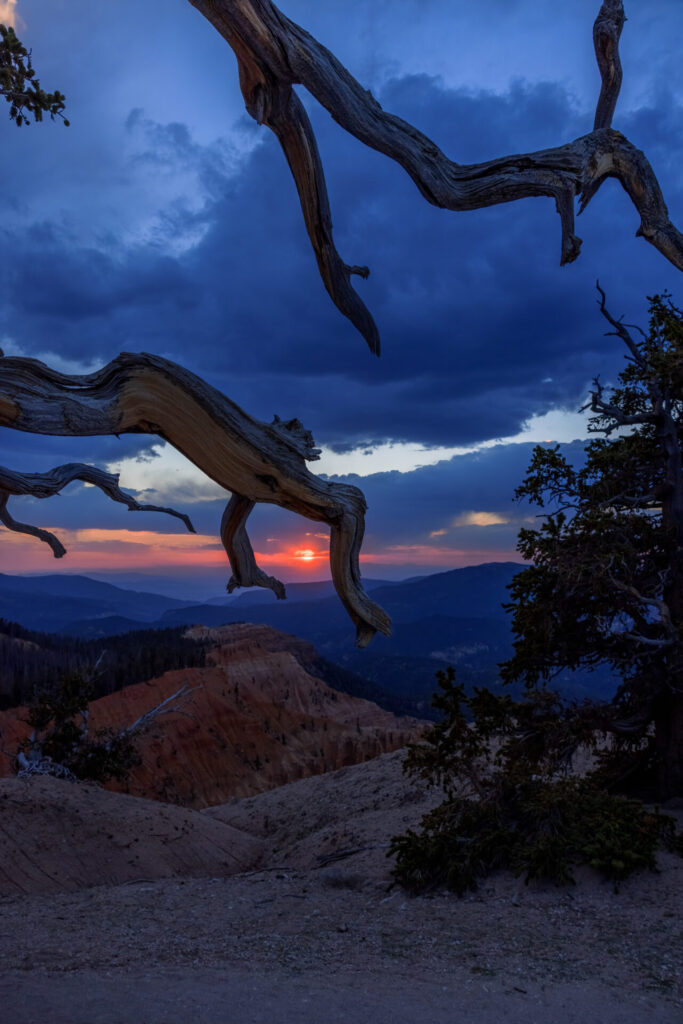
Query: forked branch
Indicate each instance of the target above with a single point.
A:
(45, 485)
(257, 462)
(274, 54)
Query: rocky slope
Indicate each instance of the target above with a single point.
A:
(255, 719)
(59, 836)
(309, 931)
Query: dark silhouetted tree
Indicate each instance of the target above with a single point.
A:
(605, 586)
(511, 800)
(19, 85)
(606, 581)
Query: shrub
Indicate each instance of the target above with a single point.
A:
(511, 801)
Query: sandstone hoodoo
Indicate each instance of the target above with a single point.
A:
(254, 719)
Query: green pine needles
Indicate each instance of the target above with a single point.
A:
(604, 586)
(61, 737)
(511, 802)
(19, 85)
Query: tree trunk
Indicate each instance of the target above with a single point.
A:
(669, 707)
(669, 743)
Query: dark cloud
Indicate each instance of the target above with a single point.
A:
(141, 228)
(481, 327)
(72, 290)
(406, 508)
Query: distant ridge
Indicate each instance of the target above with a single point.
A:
(48, 603)
(453, 617)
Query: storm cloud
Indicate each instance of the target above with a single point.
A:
(164, 220)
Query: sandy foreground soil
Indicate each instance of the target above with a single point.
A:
(311, 933)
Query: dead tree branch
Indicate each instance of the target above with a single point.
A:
(606, 33)
(33, 760)
(45, 485)
(38, 764)
(609, 411)
(257, 462)
(274, 54)
(169, 704)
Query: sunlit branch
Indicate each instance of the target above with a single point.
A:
(256, 462)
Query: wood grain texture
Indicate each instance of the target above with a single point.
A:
(257, 462)
(274, 54)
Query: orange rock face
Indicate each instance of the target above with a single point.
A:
(255, 720)
(13, 730)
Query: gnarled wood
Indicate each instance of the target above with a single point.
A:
(274, 54)
(145, 394)
(45, 485)
(606, 35)
(246, 572)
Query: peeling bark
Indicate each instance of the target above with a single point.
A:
(274, 54)
(257, 462)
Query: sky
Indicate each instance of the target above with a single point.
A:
(165, 220)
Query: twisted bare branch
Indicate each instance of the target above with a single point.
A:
(598, 405)
(172, 704)
(620, 328)
(606, 32)
(274, 54)
(246, 572)
(257, 462)
(45, 485)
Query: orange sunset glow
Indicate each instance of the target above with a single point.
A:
(144, 549)
(106, 550)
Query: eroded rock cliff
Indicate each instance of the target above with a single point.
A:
(255, 719)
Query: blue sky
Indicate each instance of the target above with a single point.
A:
(165, 220)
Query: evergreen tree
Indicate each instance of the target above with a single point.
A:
(61, 742)
(606, 581)
(19, 85)
(512, 801)
(605, 586)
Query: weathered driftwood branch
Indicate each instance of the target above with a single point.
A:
(172, 704)
(274, 54)
(45, 485)
(246, 572)
(606, 34)
(257, 462)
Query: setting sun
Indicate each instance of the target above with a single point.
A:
(306, 555)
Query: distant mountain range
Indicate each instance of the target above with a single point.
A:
(49, 603)
(449, 618)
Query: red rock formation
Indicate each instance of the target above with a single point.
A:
(13, 730)
(255, 720)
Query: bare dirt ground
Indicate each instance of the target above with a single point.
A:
(305, 937)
